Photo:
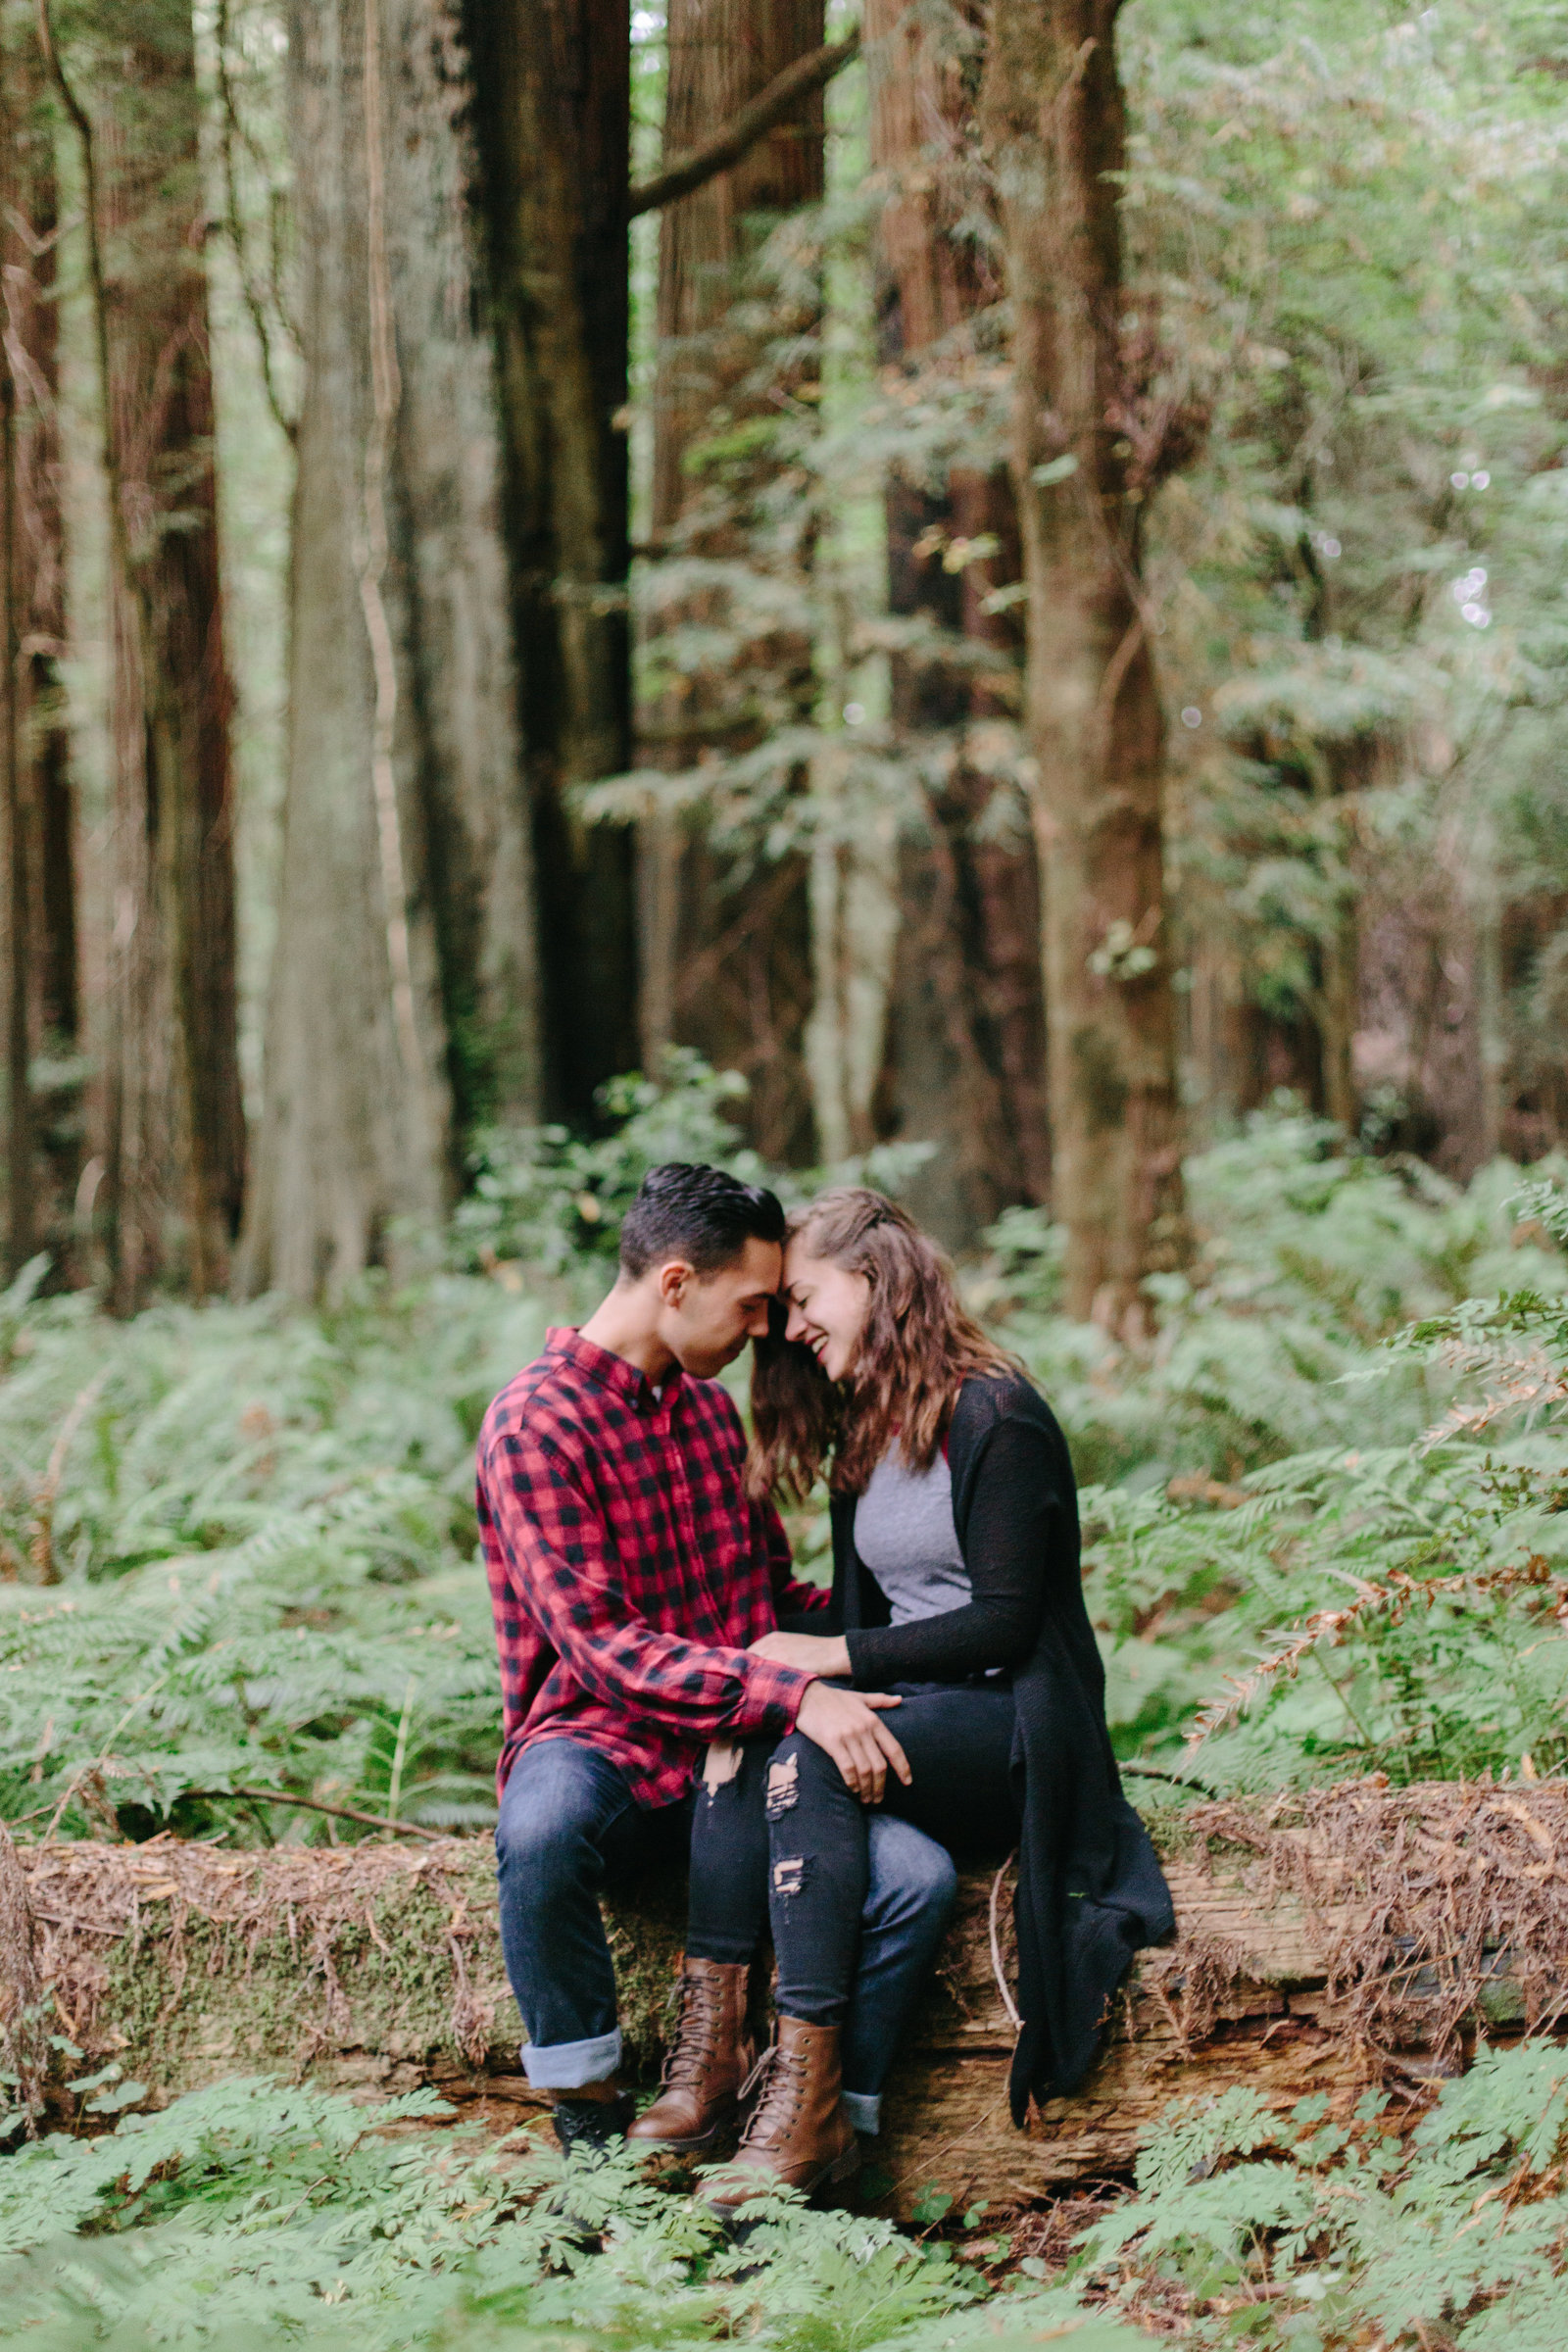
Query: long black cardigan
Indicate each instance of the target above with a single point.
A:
(1090, 1888)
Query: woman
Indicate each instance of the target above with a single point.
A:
(956, 1587)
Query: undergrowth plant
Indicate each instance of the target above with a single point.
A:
(251, 2214)
(1305, 2233)
(238, 1584)
(237, 1545)
(1326, 1519)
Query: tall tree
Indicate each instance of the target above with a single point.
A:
(404, 998)
(42, 862)
(15, 919)
(1054, 123)
(965, 1025)
(552, 84)
(727, 952)
(175, 1144)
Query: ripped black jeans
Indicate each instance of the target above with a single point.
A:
(958, 1740)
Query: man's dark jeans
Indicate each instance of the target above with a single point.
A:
(569, 1824)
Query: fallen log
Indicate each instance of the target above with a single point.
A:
(1364, 1935)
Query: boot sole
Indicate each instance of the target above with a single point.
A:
(688, 2147)
(843, 2168)
(675, 2147)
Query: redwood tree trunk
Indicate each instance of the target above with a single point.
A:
(552, 87)
(965, 1026)
(1054, 120)
(726, 956)
(15, 915)
(175, 1143)
(404, 999)
(43, 866)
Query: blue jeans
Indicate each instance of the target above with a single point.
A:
(569, 1823)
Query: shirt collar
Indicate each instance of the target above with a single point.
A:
(614, 1372)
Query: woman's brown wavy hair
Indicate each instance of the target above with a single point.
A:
(916, 1350)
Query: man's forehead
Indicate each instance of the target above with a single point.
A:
(760, 1262)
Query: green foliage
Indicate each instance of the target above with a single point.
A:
(1458, 2233)
(251, 2214)
(263, 1527)
(1345, 1445)
(555, 1200)
(262, 1522)
(1300, 1441)
(1343, 221)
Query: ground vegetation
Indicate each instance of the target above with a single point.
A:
(1322, 1503)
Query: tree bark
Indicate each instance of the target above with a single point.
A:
(404, 997)
(726, 953)
(965, 1028)
(1054, 120)
(552, 109)
(174, 1139)
(174, 1144)
(45, 869)
(19, 1170)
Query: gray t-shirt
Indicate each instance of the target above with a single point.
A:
(905, 1534)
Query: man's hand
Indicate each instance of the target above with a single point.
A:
(847, 1725)
(823, 1654)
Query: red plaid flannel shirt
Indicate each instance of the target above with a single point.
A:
(628, 1572)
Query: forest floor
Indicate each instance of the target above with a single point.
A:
(237, 1588)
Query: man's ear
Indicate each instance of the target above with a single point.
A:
(673, 1277)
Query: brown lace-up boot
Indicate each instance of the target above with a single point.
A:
(713, 2053)
(799, 2134)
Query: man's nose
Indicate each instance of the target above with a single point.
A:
(757, 1326)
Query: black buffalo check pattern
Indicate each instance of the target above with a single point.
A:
(628, 1572)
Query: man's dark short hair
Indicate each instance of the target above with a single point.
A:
(697, 1213)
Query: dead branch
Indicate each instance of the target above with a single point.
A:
(784, 96)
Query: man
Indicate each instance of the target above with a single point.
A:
(630, 1574)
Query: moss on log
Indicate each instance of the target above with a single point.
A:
(1323, 1943)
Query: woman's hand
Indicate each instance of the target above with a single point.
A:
(848, 1725)
(826, 1655)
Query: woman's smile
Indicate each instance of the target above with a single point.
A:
(828, 1307)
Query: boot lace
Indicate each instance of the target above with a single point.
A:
(780, 2078)
(700, 2014)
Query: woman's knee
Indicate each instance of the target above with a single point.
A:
(798, 1771)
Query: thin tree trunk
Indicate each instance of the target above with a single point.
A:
(19, 1170)
(404, 991)
(1054, 120)
(965, 1029)
(727, 956)
(29, 231)
(174, 1140)
(552, 109)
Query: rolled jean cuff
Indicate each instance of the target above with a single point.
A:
(568, 2065)
(865, 2110)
